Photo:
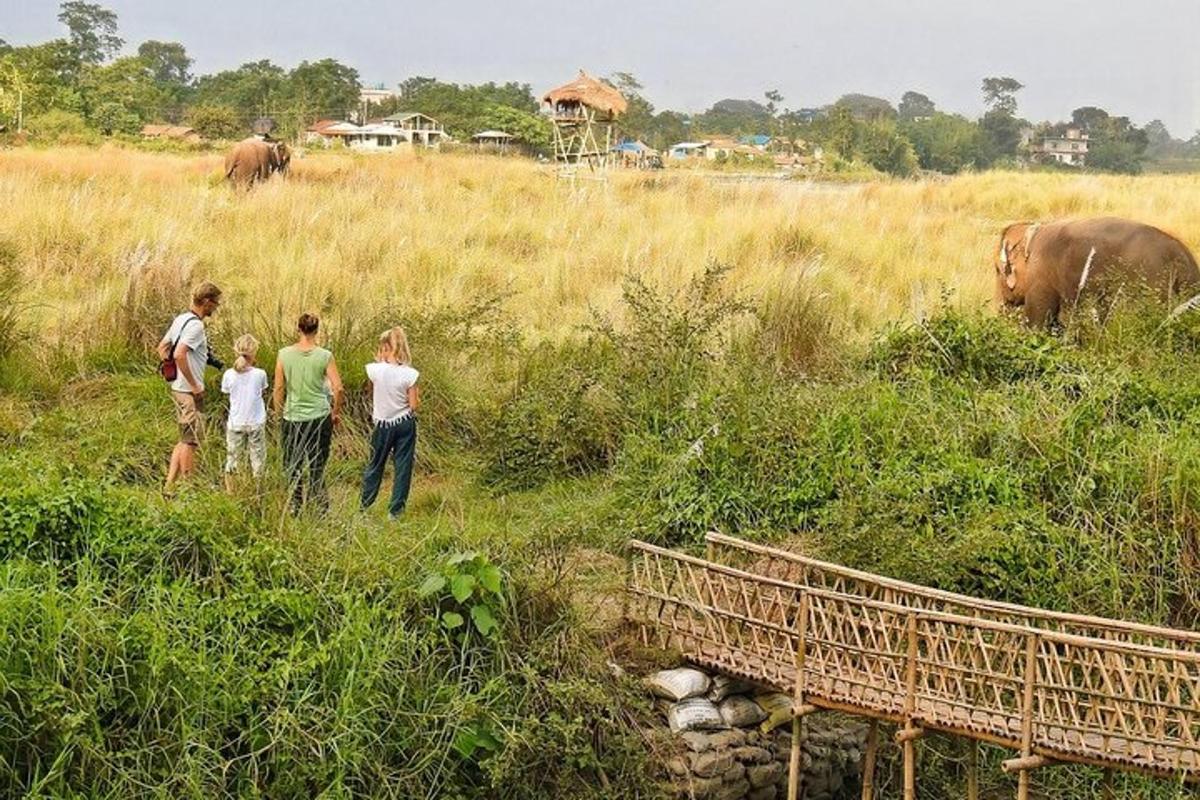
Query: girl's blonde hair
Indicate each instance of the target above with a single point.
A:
(246, 348)
(396, 340)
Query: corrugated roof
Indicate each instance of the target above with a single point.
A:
(322, 124)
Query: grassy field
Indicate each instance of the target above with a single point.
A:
(663, 355)
(352, 235)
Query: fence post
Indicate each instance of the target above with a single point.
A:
(868, 773)
(972, 769)
(1030, 677)
(910, 707)
(794, 776)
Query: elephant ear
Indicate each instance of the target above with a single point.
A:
(1013, 234)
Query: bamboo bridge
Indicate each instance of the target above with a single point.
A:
(1055, 688)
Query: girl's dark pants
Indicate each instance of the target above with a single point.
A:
(305, 453)
(398, 440)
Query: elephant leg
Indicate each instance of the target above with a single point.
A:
(1041, 307)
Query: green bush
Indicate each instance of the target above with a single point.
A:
(184, 650)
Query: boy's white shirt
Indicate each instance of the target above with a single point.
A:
(245, 389)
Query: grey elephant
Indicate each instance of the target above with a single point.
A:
(1044, 268)
(256, 159)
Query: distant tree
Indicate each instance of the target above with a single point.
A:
(168, 62)
(1117, 145)
(255, 89)
(58, 124)
(1002, 134)
(884, 147)
(732, 117)
(947, 143)
(93, 30)
(866, 107)
(638, 120)
(1089, 118)
(127, 83)
(840, 132)
(1116, 155)
(669, 128)
(1000, 94)
(1157, 134)
(215, 122)
(625, 81)
(112, 118)
(533, 130)
(774, 98)
(1000, 126)
(317, 89)
(914, 105)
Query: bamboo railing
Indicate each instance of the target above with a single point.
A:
(1051, 695)
(795, 568)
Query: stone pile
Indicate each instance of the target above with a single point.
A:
(736, 741)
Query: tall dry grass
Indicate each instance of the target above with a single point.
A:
(347, 235)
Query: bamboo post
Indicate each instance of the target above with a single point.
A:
(794, 776)
(1106, 786)
(868, 772)
(910, 706)
(1030, 678)
(972, 769)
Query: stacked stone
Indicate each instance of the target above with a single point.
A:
(736, 741)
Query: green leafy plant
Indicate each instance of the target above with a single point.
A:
(468, 586)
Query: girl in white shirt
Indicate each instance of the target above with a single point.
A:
(246, 430)
(395, 398)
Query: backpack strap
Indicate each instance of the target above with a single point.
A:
(179, 336)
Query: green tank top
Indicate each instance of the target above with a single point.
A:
(304, 374)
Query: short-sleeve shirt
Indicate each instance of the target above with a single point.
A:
(188, 329)
(390, 384)
(245, 390)
(304, 377)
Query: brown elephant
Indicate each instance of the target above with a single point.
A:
(256, 159)
(1047, 267)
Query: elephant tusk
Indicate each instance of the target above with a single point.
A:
(1087, 269)
(1029, 234)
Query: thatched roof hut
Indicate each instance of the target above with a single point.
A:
(586, 91)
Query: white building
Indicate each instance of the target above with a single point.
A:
(1071, 148)
(417, 128)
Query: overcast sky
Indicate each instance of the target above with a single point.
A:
(1141, 59)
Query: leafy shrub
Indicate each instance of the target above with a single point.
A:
(978, 348)
(467, 588)
(561, 419)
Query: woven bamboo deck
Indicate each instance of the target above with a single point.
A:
(1053, 687)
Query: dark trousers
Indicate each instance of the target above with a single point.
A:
(399, 441)
(305, 454)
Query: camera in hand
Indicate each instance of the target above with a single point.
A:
(215, 362)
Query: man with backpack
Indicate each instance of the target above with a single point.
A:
(184, 353)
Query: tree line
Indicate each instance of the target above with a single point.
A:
(80, 84)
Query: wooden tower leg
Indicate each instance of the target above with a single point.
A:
(972, 769)
(868, 772)
(1106, 790)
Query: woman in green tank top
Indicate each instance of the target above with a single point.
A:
(308, 397)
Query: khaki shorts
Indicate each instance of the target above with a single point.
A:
(189, 413)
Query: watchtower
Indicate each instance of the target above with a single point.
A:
(583, 112)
